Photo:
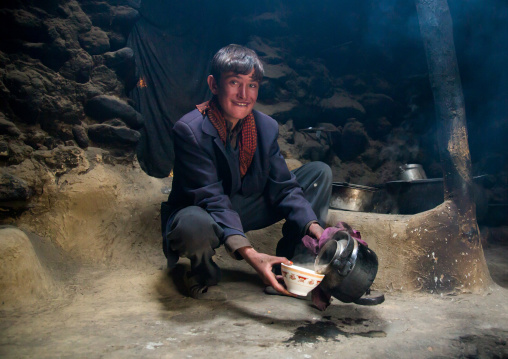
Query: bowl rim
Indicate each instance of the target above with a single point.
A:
(302, 270)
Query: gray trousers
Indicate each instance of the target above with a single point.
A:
(193, 233)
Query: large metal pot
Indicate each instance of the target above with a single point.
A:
(411, 197)
(349, 267)
(412, 172)
(351, 197)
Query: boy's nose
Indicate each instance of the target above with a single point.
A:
(242, 93)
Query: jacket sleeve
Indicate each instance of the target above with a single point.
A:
(198, 175)
(285, 192)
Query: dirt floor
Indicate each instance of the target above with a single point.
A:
(125, 313)
(93, 284)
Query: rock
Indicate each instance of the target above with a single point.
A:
(277, 72)
(4, 149)
(371, 156)
(95, 41)
(8, 127)
(321, 86)
(80, 136)
(13, 189)
(105, 80)
(63, 159)
(106, 107)
(23, 280)
(106, 134)
(136, 4)
(78, 68)
(310, 147)
(116, 40)
(353, 84)
(121, 59)
(378, 104)
(18, 83)
(378, 128)
(21, 24)
(24, 100)
(268, 93)
(78, 17)
(354, 140)
(340, 107)
(19, 152)
(124, 17)
(64, 132)
(115, 122)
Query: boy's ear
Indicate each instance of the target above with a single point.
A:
(212, 84)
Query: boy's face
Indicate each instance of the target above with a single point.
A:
(237, 94)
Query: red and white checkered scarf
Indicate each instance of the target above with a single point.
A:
(248, 136)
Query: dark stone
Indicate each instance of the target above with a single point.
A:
(116, 40)
(378, 105)
(124, 17)
(340, 107)
(119, 59)
(55, 55)
(4, 149)
(268, 92)
(122, 61)
(311, 146)
(106, 134)
(105, 80)
(99, 13)
(378, 128)
(116, 122)
(80, 136)
(78, 68)
(13, 189)
(321, 86)
(19, 152)
(95, 42)
(136, 4)
(25, 99)
(64, 132)
(20, 24)
(61, 159)
(371, 156)
(354, 140)
(106, 107)
(51, 143)
(7, 127)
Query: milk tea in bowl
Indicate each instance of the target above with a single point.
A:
(300, 280)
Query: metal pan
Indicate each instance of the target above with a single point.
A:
(352, 197)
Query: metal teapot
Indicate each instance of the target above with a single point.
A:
(349, 268)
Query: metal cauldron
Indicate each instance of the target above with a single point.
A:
(351, 197)
(349, 267)
(412, 172)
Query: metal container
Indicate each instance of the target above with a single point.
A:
(351, 197)
(349, 267)
(412, 172)
(411, 197)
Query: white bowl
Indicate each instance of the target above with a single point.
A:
(300, 280)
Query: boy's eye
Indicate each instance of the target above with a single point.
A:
(253, 85)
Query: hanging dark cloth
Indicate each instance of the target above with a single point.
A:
(173, 45)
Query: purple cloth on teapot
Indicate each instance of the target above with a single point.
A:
(314, 245)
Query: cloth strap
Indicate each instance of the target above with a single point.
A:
(248, 137)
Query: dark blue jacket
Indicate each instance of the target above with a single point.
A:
(204, 177)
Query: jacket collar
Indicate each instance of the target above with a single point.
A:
(208, 128)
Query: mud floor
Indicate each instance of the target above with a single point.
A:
(141, 313)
